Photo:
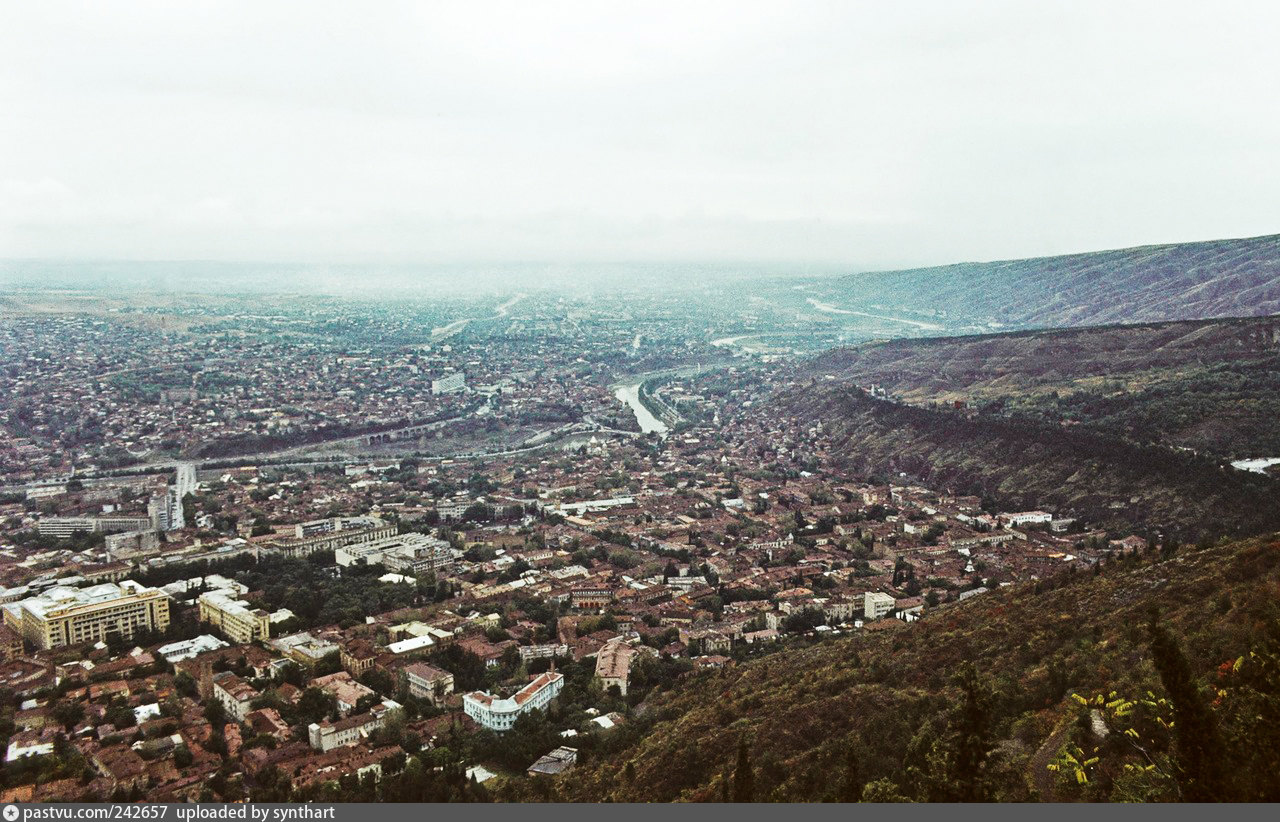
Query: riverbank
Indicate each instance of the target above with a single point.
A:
(650, 423)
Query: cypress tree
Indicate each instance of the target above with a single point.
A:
(1201, 754)
(851, 789)
(971, 741)
(744, 779)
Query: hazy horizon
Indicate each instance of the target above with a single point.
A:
(860, 136)
(789, 267)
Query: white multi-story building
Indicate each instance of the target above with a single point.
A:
(305, 649)
(345, 531)
(66, 526)
(190, 648)
(234, 693)
(840, 610)
(452, 509)
(334, 524)
(500, 714)
(876, 604)
(428, 682)
(165, 508)
(1026, 518)
(449, 383)
(326, 735)
(165, 511)
(238, 621)
(68, 616)
(407, 553)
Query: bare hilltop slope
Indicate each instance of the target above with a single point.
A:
(1182, 281)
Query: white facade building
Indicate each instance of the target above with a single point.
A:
(500, 714)
(1026, 518)
(449, 383)
(190, 648)
(326, 735)
(876, 604)
(408, 553)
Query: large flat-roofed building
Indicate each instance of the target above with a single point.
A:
(450, 383)
(190, 648)
(305, 649)
(346, 531)
(332, 525)
(500, 714)
(407, 553)
(68, 616)
(110, 524)
(238, 621)
(66, 526)
(876, 604)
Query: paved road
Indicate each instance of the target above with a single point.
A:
(271, 458)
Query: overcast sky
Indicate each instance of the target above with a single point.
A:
(868, 134)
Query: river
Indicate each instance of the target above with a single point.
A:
(649, 424)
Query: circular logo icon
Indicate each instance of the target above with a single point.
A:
(10, 813)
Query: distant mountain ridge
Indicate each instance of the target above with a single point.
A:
(1182, 281)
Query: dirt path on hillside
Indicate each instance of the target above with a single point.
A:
(1042, 778)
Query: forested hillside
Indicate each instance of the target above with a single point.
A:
(1220, 278)
(1211, 386)
(1157, 677)
(1021, 464)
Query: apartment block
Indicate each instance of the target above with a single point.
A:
(68, 616)
(876, 604)
(237, 620)
(331, 540)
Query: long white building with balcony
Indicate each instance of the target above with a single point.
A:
(500, 714)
